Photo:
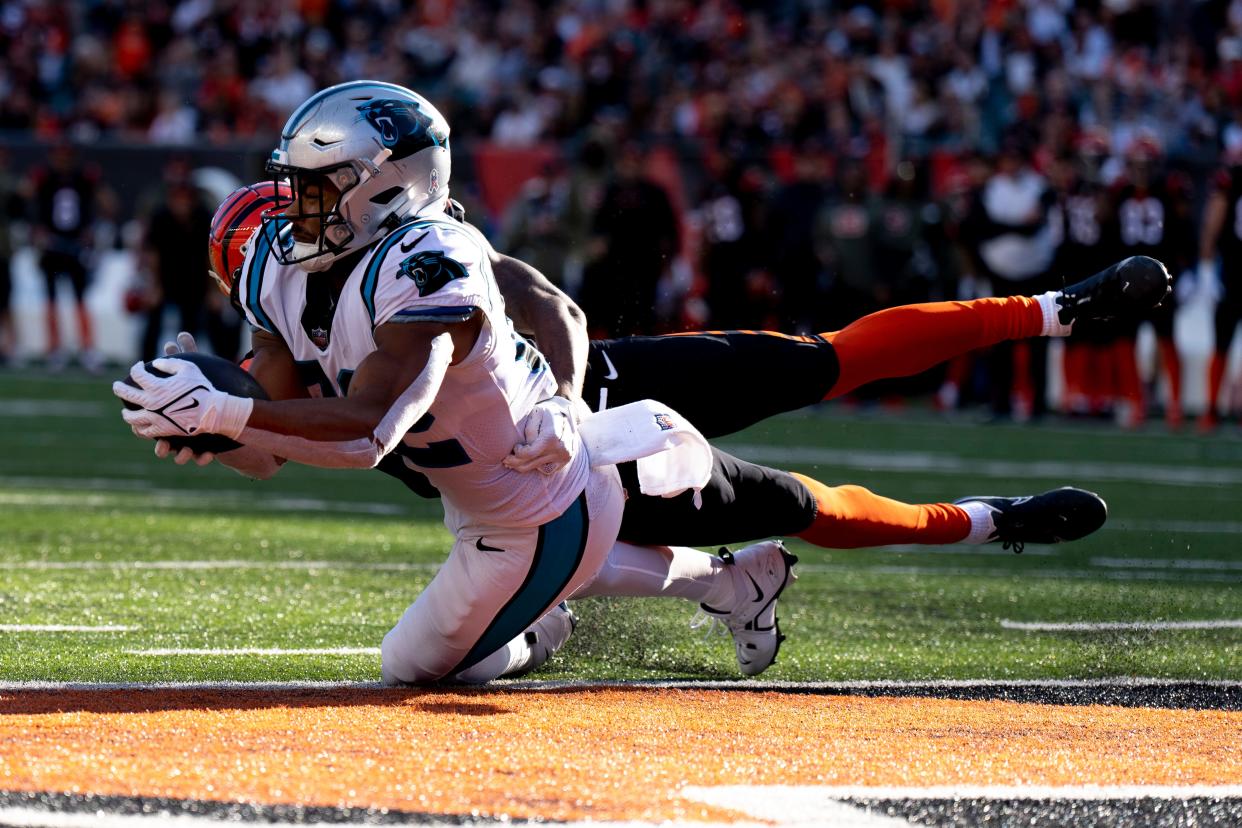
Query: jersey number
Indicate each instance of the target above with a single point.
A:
(1142, 222)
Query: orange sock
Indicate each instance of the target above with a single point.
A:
(1172, 371)
(1216, 377)
(850, 517)
(906, 340)
(1129, 386)
(53, 328)
(85, 330)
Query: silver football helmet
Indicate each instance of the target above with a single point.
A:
(382, 147)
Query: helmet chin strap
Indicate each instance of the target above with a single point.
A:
(316, 261)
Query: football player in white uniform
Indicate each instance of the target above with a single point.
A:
(379, 329)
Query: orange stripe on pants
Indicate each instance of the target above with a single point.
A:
(850, 517)
(909, 339)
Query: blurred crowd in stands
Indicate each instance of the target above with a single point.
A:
(790, 164)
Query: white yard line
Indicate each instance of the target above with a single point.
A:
(63, 628)
(256, 651)
(364, 566)
(1025, 572)
(1008, 470)
(1105, 626)
(1166, 563)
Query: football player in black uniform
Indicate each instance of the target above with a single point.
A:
(1082, 219)
(66, 195)
(1152, 218)
(1222, 234)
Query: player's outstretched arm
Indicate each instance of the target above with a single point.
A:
(540, 308)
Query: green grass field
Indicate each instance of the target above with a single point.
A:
(96, 532)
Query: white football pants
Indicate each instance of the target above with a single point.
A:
(495, 584)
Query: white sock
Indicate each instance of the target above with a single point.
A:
(662, 572)
(1052, 323)
(981, 524)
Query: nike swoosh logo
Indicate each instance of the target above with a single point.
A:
(758, 591)
(193, 405)
(406, 248)
(612, 369)
(483, 547)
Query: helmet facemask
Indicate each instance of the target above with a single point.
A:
(312, 190)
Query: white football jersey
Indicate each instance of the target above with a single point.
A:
(429, 270)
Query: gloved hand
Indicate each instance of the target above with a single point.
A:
(550, 436)
(184, 344)
(181, 404)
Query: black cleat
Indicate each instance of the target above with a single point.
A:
(1131, 287)
(1064, 514)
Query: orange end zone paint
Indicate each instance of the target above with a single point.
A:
(606, 754)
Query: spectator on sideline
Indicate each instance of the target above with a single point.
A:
(1015, 249)
(636, 237)
(176, 261)
(67, 196)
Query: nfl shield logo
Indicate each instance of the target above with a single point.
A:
(434, 183)
(664, 421)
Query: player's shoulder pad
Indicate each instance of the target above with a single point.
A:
(428, 269)
(255, 286)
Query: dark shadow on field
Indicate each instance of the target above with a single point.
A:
(505, 697)
(444, 700)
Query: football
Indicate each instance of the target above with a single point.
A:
(224, 375)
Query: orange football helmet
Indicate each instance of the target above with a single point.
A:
(235, 221)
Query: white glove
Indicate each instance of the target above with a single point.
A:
(184, 344)
(550, 437)
(181, 404)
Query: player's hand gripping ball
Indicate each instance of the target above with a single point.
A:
(225, 376)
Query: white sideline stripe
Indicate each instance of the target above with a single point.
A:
(740, 685)
(220, 564)
(1157, 563)
(257, 651)
(1008, 470)
(790, 805)
(1101, 626)
(63, 628)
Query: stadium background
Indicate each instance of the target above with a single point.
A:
(819, 159)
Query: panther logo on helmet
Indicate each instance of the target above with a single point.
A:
(431, 270)
(402, 127)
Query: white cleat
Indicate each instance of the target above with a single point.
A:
(546, 636)
(761, 573)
